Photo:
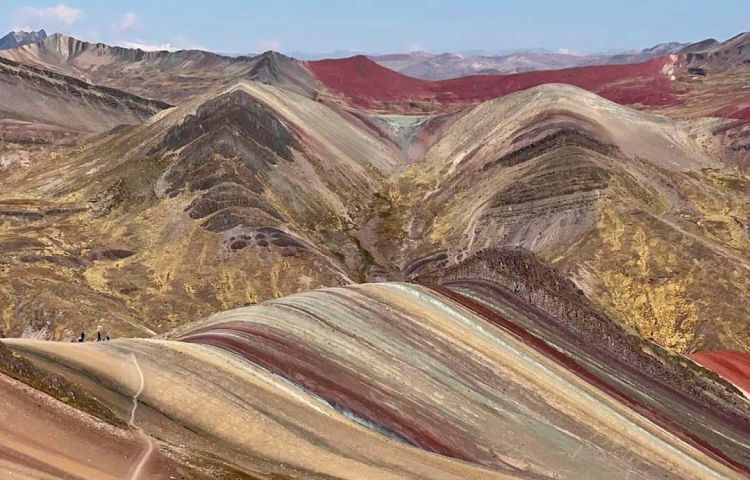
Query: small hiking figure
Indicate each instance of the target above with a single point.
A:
(98, 336)
(108, 337)
(82, 337)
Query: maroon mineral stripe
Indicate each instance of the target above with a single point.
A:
(540, 345)
(268, 348)
(738, 422)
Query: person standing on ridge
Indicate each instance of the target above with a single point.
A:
(82, 337)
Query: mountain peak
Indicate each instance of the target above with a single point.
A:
(17, 38)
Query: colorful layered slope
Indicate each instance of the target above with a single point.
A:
(257, 192)
(623, 200)
(492, 364)
(665, 84)
(229, 199)
(394, 381)
(367, 84)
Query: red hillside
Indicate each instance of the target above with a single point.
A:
(739, 110)
(366, 83)
(732, 365)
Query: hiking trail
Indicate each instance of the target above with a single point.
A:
(149, 444)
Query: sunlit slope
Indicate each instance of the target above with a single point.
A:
(367, 381)
(648, 214)
(41, 109)
(230, 199)
(256, 192)
(43, 439)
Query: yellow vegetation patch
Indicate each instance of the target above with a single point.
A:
(644, 283)
(721, 198)
(95, 277)
(439, 230)
(726, 228)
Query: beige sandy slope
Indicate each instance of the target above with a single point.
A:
(247, 415)
(43, 438)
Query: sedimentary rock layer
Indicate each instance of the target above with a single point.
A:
(390, 381)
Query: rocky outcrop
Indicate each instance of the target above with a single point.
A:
(599, 344)
(273, 68)
(712, 56)
(16, 39)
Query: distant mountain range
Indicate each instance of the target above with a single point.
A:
(16, 39)
(431, 66)
(163, 75)
(719, 56)
(646, 53)
(170, 76)
(70, 56)
(174, 76)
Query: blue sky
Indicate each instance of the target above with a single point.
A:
(318, 26)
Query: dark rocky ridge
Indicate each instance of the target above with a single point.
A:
(227, 150)
(713, 56)
(563, 137)
(567, 172)
(228, 195)
(241, 112)
(273, 68)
